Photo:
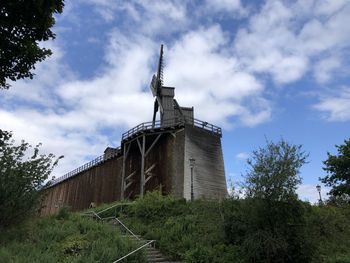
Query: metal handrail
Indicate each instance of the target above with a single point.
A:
(132, 252)
(120, 222)
(145, 126)
(115, 218)
(108, 208)
(172, 123)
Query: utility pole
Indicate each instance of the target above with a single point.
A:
(192, 163)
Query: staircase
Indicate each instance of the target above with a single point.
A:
(153, 255)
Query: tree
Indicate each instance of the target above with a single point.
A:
(23, 23)
(274, 171)
(338, 172)
(269, 225)
(22, 175)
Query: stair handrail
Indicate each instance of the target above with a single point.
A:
(113, 206)
(116, 219)
(132, 252)
(120, 222)
(149, 242)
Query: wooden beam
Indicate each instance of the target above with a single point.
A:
(126, 149)
(149, 177)
(130, 175)
(154, 142)
(123, 174)
(138, 143)
(130, 183)
(150, 168)
(142, 181)
(131, 192)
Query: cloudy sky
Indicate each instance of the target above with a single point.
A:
(259, 69)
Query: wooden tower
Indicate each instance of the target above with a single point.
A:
(176, 154)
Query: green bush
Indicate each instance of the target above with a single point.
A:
(330, 227)
(23, 172)
(63, 213)
(241, 230)
(268, 231)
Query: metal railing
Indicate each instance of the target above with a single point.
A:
(86, 166)
(145, 126)
(137, 249)
(97, 215)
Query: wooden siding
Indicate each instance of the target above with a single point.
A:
(171, 174)
(209, 172)
(100, 184)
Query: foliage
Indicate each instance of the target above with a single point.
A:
(21, 177)
(69, 239)
(242, 230)
(274, 171)
(23, 25)
(183, 230)
(268, 231)
(63, 213)
(338, 173)
(329, 226)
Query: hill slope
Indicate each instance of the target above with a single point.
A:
(64, 238)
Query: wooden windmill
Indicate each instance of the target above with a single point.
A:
(170, 110)
(156, 87)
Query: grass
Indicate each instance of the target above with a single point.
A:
(197, 231)
(190, 231)
(202, 231)
(64, 238)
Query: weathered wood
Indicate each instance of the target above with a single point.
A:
(166, 165)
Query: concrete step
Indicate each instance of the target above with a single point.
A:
(153, 255)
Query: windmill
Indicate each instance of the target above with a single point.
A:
(156, 87)
(170, 111)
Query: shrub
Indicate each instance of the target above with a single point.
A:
(268, 231)
(22, 175)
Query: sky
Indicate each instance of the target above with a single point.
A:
(262, 70)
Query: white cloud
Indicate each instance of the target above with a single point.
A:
(232, 7)
(207, 76)
(336, 107)
(285, 40)
(218, 74)
(324, 69)
(150, 17)
(69, 115)
(242, 156)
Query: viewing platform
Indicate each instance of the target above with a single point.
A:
(170, 124)
(145, 127)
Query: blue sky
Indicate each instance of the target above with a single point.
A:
(259, 69)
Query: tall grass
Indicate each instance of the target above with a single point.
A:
(65, 238)
(191, 231)
(198, 231)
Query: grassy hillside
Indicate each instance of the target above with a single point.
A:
(64, 238)
(233, 230)
(200, 231)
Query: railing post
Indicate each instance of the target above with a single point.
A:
(142, 179)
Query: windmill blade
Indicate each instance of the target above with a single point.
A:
(155, 112)
(154, 86)
(160, 67)
(160, 104)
